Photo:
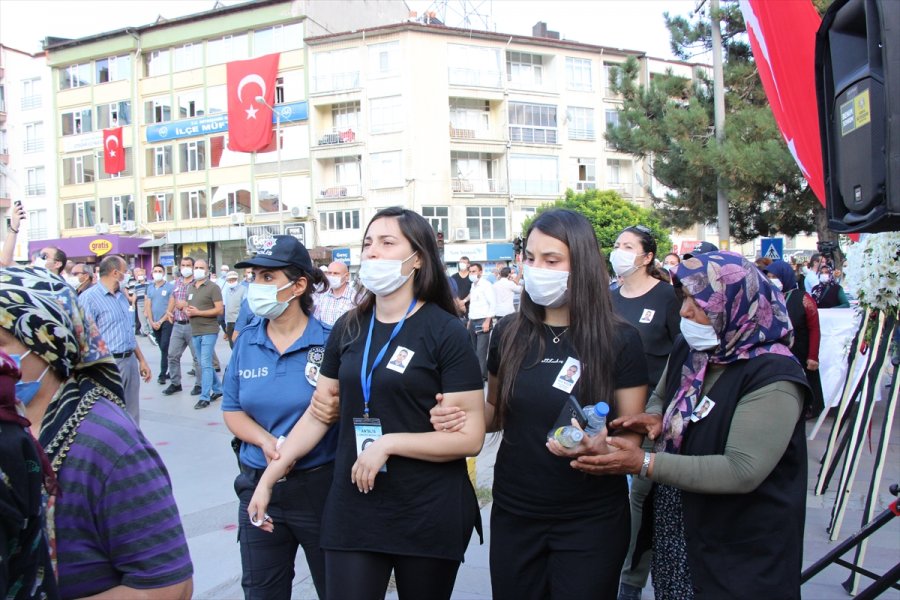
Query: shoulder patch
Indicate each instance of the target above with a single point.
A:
(316, 354)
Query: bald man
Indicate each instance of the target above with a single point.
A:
(338, 299)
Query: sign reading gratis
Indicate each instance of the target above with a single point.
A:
(218, 123)
(100, 246)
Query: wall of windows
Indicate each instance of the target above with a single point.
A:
(384, 60)
(438, 217)
(230, 199)
(76, 122)
(114, 114)
(114, 210)
(532, 123)
(581, 123)
(159, 161)
(191, 156)
(525, 69)
(336, 220)
(578, 74)
(78, 169)
(386, 114)
(193, 204)
(160, 207)
(113, 68)
(74, 76)
(386, 169)
(81, 213)
(473, 65)
(486, 222)
(469, 115)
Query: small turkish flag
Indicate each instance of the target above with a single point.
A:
(249, 121)
(113, 152)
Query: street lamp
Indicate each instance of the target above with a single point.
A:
(262, 100)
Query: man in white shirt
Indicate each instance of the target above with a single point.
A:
(338, 299)
(505, 291)
(482, 309)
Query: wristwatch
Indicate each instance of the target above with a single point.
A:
(645, 465)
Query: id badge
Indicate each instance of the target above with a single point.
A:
(367, 431)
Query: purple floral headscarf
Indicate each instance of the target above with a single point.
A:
(748, 315)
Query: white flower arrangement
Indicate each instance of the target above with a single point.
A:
(874, 271)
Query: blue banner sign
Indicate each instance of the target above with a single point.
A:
(218, 123)
(341, 254)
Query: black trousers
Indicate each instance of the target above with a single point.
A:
(558, 558)
(365, 575)
(267, 559)
(162, 336)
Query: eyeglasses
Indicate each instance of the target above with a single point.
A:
(44, 256)
(643, 229)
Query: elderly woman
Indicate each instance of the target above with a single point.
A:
(828, 293)
(730, 459)
(115, 526)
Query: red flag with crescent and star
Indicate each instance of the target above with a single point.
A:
(249, 121)
(113, 152)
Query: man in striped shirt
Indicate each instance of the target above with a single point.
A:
(337, 300)
(114, 317)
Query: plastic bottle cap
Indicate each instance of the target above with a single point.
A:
(577, 436)
(601, 409)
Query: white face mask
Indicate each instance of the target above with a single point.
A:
(546, 287)
(383, 276)
(73, 281)
(473, 278)
(776, 283)
(335, 281)
(623, 261)
(699, 337)
(39, 262)
(263, 300)
(186, 271)
(158, 277)
(199, 273)
(232, 284)
(824, 278)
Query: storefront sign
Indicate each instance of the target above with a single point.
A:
(87, 141)
(100, 246)
(218, 123)
(298, 231)
(342, 255)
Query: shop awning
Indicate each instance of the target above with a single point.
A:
(154, 243)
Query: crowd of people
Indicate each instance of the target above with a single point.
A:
(708, 362)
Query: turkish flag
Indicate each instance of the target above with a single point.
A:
(249, 121)
(783, 38)
(113, 152)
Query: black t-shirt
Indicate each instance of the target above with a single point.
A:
(655, 315)
(528, 479)
(463, 284)
(417, 508)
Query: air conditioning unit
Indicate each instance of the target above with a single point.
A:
(129, 226)
(298, 212)
(101, 227)
(461, 234)
(238, 218)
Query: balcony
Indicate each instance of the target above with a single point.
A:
(335, 143)
(34, 145)
(337, 136)
(38, 189)
(340, 190)
(473, 78)
(465, 185)
(581, 186)
(336, 82)
(586, 134)
(29, 102)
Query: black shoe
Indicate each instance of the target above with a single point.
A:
(215, 396)
(196, 391)
(171, 389)
(201, 404)
(192, 372)
(161, 380)
(218, 370)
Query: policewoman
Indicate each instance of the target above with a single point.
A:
(401, 499)
(268, 386)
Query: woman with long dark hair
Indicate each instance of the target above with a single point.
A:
(401, 498)
(554, 531)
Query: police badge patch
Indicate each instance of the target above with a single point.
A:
(315, 355)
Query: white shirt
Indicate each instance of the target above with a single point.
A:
(505, 290)
(481, 300)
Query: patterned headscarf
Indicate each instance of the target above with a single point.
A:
(748, 315)
(41, 311)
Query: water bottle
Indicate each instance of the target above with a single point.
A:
(596, 417)
(567, 436)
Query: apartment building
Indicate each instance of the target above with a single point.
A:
(472, 129)
(183, 192)
(27, 163)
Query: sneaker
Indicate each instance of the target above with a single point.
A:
(201, 404)
(152, 340)
(215, 396)
(171, 389)
(196, 391)
(161, 380)
(192, 372)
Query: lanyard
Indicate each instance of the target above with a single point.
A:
(366, 378)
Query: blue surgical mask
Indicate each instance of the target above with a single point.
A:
(26, 390)
(263, 300)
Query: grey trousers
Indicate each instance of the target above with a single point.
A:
(181, 338)
(130, 371)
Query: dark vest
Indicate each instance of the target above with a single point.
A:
(797, 315)
(829, 298)
(745, 545)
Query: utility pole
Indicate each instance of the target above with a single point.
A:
(719, 116)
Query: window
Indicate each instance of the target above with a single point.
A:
(216, 99)
(157, 110)
(585, 174)
(279, 90)
(226, 49)
(473, 65)
(114, 68)
(78, 169)
(193, 204)
(346, 169)
(607, 72)
(115, 210)
(127, 172)
(191, 156)
(76, 122)
(469, 116)
(338, 219)
(475, 172)
(230, 199)
(614, 172)
(438, 217)
(386, 169)
(486, 222)
(533, 175)
(345, 115)
(612, 120)
(82, 213)
(34, 178)
(34, 137)
(267, 193)
(277, 39)
(113, 114)
(4, 142)
(387, 114)
(31, 93)
(581, 124)
(336, 70)
(159, 207)
(74, 76)
(188, 56)
(384, 59)
(578, 74)
(190, 104)
(159, 160)
(37, 224)
(156, 62)
(525, 69)
(532, 123)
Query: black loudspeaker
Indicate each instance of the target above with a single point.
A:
(858, 94)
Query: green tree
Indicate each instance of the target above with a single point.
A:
(670, 122)
(609, 214)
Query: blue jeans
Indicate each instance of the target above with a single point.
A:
(209, 382)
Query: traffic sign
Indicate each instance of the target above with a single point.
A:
(772, 248)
